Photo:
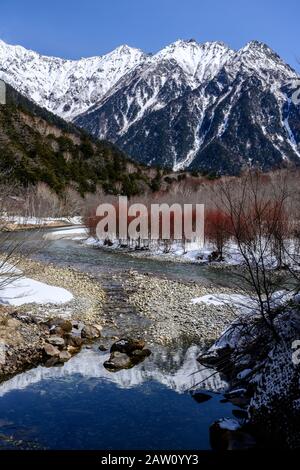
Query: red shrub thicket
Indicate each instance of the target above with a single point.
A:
(218, 229)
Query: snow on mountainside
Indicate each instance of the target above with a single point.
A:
(204, 107)
(199, 62)
(197, 106)
(65, 87)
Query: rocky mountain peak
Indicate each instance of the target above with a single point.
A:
(190, 105)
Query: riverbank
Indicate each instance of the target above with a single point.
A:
(261, 366)
(165, 313)
(27, 330)
(20, 223)
(175, 251)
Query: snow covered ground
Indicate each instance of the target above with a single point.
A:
(239, 302)
(191, 252)
(243, 303)
(16, 289)
(26, 291)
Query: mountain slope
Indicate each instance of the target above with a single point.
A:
(190, 106)
(37, 146)
(220, 115)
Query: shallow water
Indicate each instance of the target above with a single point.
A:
(68, 252)
(83, 406)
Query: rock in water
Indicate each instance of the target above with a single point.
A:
(201, 397)
(127, 346)
(64, 356)
(118, 361)
(139, 354)
(90, 332)
(52, 361)
(72, 350)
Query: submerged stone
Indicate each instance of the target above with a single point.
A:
(201, 397)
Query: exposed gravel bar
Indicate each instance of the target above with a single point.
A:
(173, 317)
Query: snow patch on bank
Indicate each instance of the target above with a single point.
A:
(243, 303)
(16, 290)
(26, 291)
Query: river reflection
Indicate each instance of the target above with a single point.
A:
(83, 406)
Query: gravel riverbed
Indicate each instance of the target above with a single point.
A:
(24, 331)
(173, 317)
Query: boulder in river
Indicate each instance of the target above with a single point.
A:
(72, 350)
(51, 362)
(139, 354)
(118, 361)
(64, 356)
(201, 397)
(90, 332)
(127, 346)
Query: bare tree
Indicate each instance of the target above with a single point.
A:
(256, 209)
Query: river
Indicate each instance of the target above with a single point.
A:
(81, 405)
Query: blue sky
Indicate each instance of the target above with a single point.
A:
(76, 29)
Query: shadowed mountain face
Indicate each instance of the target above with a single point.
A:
(237, 115)
(190, 106)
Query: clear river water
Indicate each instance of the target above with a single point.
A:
(81, 405)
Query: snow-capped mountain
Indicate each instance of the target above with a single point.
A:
(204, 107)
(65, 87)
(197, 106)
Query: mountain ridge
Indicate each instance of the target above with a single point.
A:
(187, 106)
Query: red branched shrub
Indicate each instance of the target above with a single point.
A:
(218, 229)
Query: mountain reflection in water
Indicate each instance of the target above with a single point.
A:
(83, 406)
